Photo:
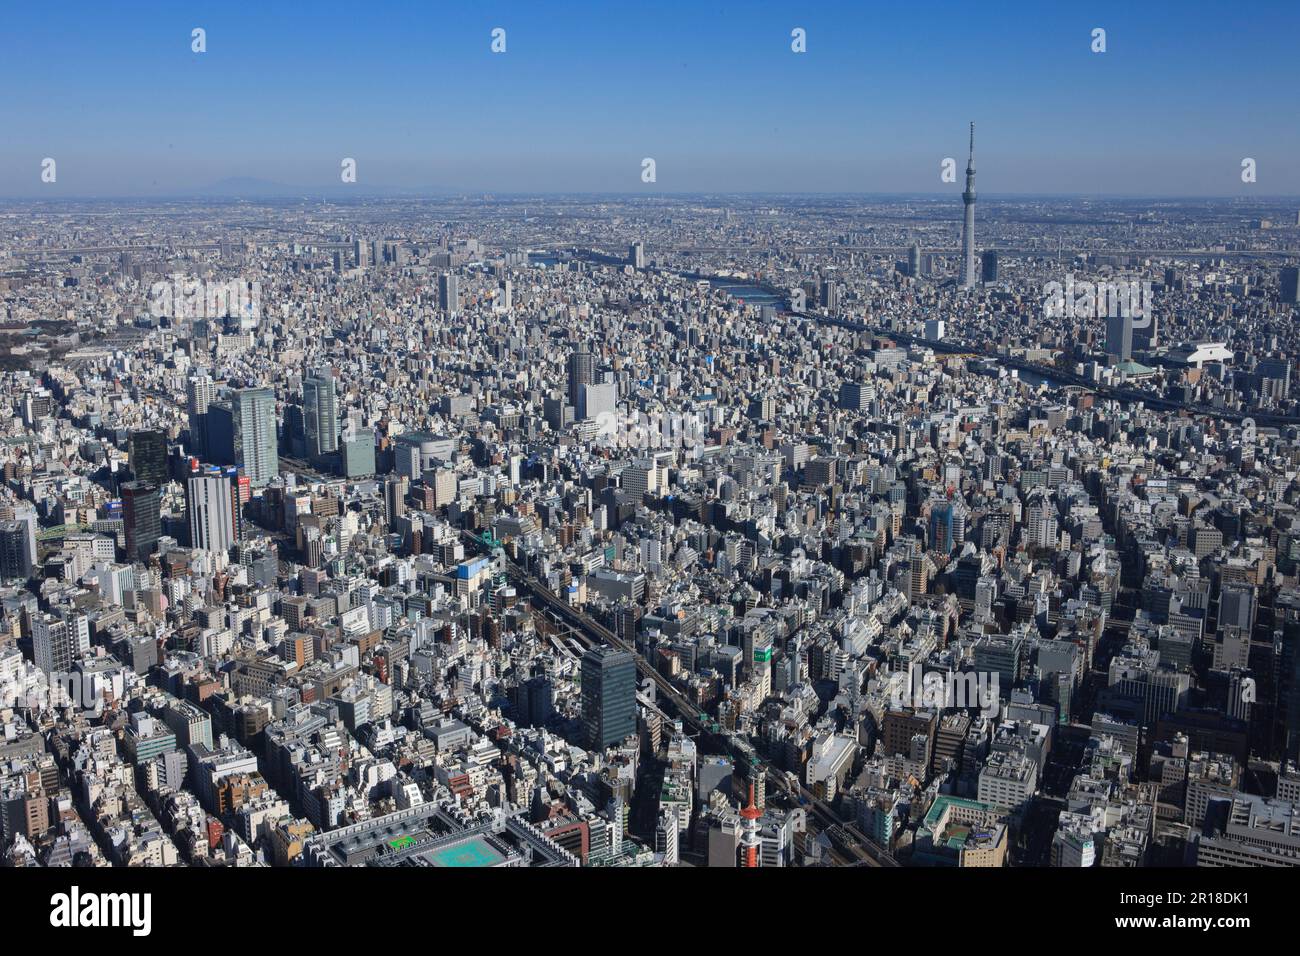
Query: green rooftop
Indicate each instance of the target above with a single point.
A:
(942, 802)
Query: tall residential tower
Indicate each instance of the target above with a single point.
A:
(320, 414)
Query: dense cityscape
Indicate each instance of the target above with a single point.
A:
(446, 444)
(713, 530)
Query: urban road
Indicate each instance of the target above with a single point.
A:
(849, 845)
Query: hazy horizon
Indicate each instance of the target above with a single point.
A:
(381, 192)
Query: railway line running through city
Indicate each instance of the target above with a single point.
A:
(849, 845)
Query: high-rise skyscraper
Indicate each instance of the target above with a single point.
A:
(914, 260)
(147, 454)
(1119, 335)
(59, 639)
(941, 537)
(608, 696)
(243, 432)
(395, 491)
(141, 514)
(16, 558)
(582, 371)
(968, 227)
(211, 501)
(449, 292)
(829, 294)
(259, 454)
(636, 255)
(200, 392)
(1273, 378)
(536, 701)
(320, 414)
(1290, 285)
(25, 513)
(989, 266)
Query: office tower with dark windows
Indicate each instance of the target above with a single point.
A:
(582, 371)
(1273, 378)
(855, 396)
(293, 436)
(142, 518)
(147, 455)
(16, 558)
(200, 392)
(941, 528)
(1147, 335)
(1290, 293)
(989, 266)
(608, 696)
(535, 701)
(449, 292)
(829, 294)
(320, 415)
(636, 255)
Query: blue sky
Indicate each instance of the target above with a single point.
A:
(710, 90)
